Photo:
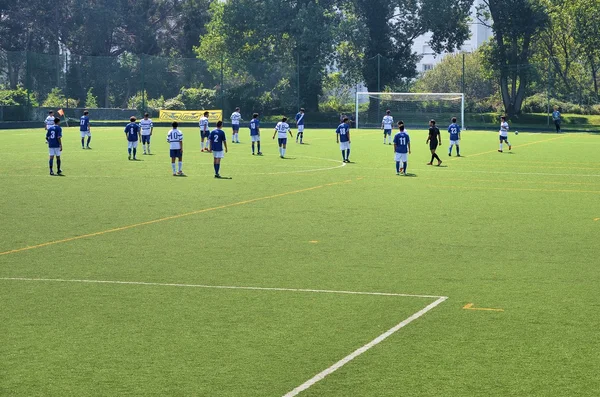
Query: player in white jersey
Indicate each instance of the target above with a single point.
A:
(204, 132)
(175, 139)
(386, 126)
(49, 121)
(504, 134)
(147, 129)
(236, 117)
(281, 130)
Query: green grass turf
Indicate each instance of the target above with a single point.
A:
(515, 231)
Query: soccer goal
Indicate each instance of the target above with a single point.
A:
(415, 109)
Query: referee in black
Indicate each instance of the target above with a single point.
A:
(434, 139)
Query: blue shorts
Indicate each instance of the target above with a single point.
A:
(236, 127)
(387, 132)
(145, 139)
(176, 153)
(204, 134)
(503, 139)
(282, 141)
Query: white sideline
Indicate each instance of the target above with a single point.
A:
(321, 375)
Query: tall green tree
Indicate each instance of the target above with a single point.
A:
(516, 24)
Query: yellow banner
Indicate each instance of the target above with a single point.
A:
(190, 115)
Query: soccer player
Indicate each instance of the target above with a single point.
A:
(504, 133)
(204, 132)
(216, 141)
(342, 136)
(49, 122)
(300, 125)
(255, 133)
(454, 130)
(556, 118)
(434, 139)
(147, 130)
(401, 149)
(132, 132)
(236, 117)
(84, 128)
(386, 126)
(54, 141)
(175, 139)
(281, 130)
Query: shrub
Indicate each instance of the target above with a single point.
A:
(17, 97)
(174, 104)
(56, 99)
(91, 101)
(198, 98)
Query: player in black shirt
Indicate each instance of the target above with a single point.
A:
(434, 139)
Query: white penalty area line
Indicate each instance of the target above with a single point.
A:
(321, 375)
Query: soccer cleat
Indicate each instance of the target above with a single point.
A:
(397, 173)
(253, 153)
(390, 143)
(509, 147)
(458, 155)
(430, 164)
(439, 163)
(282, 157)
(449, 154)
(217, 176)
(144, 153)
(51, 173)
(59, 172)
(174, 174)
(259, 154)
(148, 151)
(499, 151)
(129, 157)
(83, 148)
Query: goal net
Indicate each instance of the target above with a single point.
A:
(415, 109)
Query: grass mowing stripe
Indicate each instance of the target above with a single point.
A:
(168, 218)
(321, 375)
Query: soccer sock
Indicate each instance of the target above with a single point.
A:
(344, 155)
(405, 166)
(252, 147)
(51, 163)
(82, 140)
(500, 146)
(148, 148)
(202, 145)
(450, 149)
(508, 143)
(129, 151)
(283, 152)
(58, 163)
(432, 157)
(347, 154)
(436, 157)
(217, 168)
(397, 166)
(89, 140)
(301, 136)
(134, 152)
(457, 150)
(180, 165)
(384, 138)
(297, 137)
(173, 167)
(258, 146)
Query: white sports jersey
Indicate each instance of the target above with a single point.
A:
(504, 129)
(49, 121)
(175, 137)
(235, 118)
(282, 129)
(387, 122)
(203, 124)
(146, 126)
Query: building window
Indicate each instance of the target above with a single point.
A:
(427, 66)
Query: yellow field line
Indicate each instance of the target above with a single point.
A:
(515, 189)
(469, 306)
(168, 218)
(519, 181)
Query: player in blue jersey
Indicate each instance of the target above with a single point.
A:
(300, 125)
(342, 136)
(255, 133)
(217, 141)
(84, 128)
(132, 133)
(54, 141)
(454, 131)
(281, 130)
(556, 119)
(175, 139)
(401, 149)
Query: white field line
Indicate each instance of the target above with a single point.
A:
(321, 375)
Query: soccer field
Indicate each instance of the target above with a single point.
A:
(300, 275)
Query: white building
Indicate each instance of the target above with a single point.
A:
(479, 35)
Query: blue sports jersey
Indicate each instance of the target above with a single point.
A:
(53, 134)
(254, 126)
(556, 115)
(300, 119)
(342, 130)
(217, 137)
(84, 123)
(454, 130)
(132, 130)
(401, 140)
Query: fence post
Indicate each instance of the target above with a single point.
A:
(222, 87)
(548, 95)
(143, 84)
(378, 84)
(298, 80)
(27, 82)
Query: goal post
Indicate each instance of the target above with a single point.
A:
(415, 109)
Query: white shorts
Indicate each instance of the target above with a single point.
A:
(54, 151)
(219, 155)
(132, 145)
(402, 157)
(301, 128)
(455, 142)
(344, 145)
(255, 138)
(85, 133)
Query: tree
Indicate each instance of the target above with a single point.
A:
(587, 26)
(516, 25)
(91, 102)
